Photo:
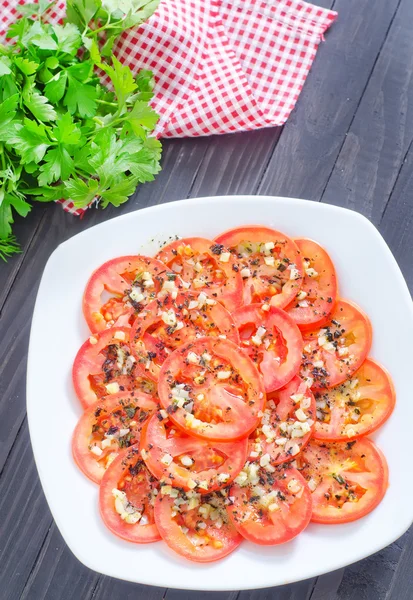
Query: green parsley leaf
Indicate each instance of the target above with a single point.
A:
(9, 246)
(55, 88)
(57, 164)
(26, 66)
(68, 37)
(122, 79)
(9, 201)
(39, 107)
(30, 141)
(5, 64)
(80, 98)
(119, 192)
(66, 132)
(81, 192)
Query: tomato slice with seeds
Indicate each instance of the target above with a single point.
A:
(273, 342)
(166, 324)
(119, 288)
(199, 264)
(211, 390)
(270, 508)
(187, 462)
(348, 480)
(335, 351)
(127, 496)
(197, 528)
(287, 424)
(105, 427)
(104, 365)
(317, 296)
(269, 262)
(357, 407)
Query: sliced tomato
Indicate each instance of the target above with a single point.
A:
(212, 390)
(315, 301)
(104, 365)
(167, 323)
(188, 462)
(128, 282)
(110, 424)
(357, 407)
(348, 480)
(204, 266)
(269, 506)
(287, 424)
(335, 351)
(127, 496)
(273, 342)
(269, 262)
(195, 527)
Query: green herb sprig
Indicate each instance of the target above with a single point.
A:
(63, 134)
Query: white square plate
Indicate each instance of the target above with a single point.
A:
(368, 274)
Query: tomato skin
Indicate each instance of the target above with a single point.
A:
(151, 334)
(324, 462)
(321, 290)
(373, 385)
(157, 443)
(238, 417)
(137, 533)
(256, 523)
(109, 277)
(257, 288)
(277, 368)
(90, 358)
(228, 293)
(91, 465)
(350, 324)
(178, 541)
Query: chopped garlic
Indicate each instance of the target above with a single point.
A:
(112, 388)
(224, 257)
(245, 273)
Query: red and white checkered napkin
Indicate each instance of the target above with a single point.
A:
(220, 65)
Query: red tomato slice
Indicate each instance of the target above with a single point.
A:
(273, 342)
(195, 527)
(286, 425)
(130, 282)
(110, 424)
(269, 508)
(269, 262)
(187, 462)
(204, 266)
(335, 351)
(357, 407)
(315, 301)
(212, 390)
(165, 325)
(104, 365)
(348, 480)
(127, 496)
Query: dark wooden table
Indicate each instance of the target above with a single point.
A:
(349, 143)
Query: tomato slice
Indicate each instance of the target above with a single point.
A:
(204, 266)
(127, 496)
(187, 462)
(315, 301)
(104, 365)
(269, 506)
(110, 424)
(196, 527)
(335, 351)
(166, 324)
(269, 262)
(273, 342)
(128, 282)
(357, 407)
(347, 480)
(287, 424)
(212, 390)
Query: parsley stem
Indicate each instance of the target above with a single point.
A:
(107, 103)
(93, 32)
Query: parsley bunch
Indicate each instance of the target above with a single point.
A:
(63, 134)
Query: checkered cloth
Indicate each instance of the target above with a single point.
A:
(220, 65)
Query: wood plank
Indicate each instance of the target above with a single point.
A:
(112, 589)
(327, 586)
(57, 573)
(382, 129)
(313, 136)
(25, 518)
(295, 591)
(401, 586)
(190, 595)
